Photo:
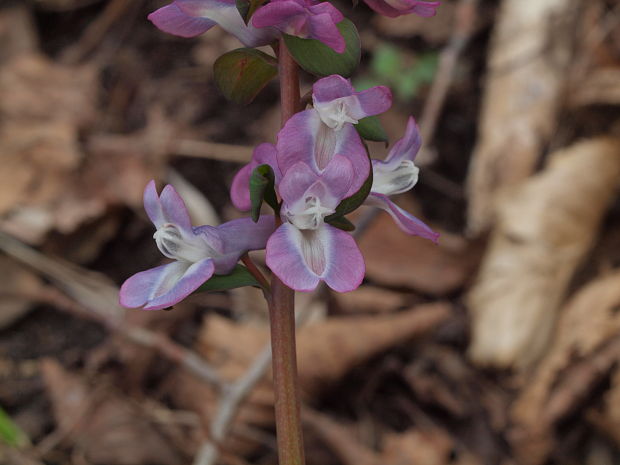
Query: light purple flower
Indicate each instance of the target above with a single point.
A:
(316, 135)
(395, 175)
(305, 250)
(394, 8)
(307, 19)
(198, 252)
(190, 18)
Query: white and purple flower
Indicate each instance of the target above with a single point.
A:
(394, 8)
(198, 252)
(307, 19)
(316, 135)
(190, 18)
(395, 175)
(305, 250)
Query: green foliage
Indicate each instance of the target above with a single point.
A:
(321, 60)
(11, 434)
(243, 73)
(370, 128)
(340, 222)
(262, 187)
(390, 66)
(239, 277)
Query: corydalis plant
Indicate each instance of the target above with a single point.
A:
(317, 172)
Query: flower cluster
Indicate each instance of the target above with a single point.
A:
(309, 19)
(318, 171)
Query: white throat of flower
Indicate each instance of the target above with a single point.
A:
(334, 114)
(182, 247)
(394, 180)
(308, 213)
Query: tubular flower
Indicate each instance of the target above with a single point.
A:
(395, 175)
(307, 19)
(316, 135)
(198, 252)
(190, 18)
(394, 8)
(305, 250)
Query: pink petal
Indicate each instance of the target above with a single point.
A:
(373, 101)
(152, 205)
(296, 181)
(338, 177)
(285, 258)
(302, 258)
(243, 234)
(332, 87)
(173, 20)
(406, 148)
(277, 13)
(395, 8)
(327, 8)
(174, 208)
(405, 221)
(240, 188)
(226, 15)
(165, 285)
(323, 29)
(305, 138)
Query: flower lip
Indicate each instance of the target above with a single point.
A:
(174, 244)
(334, 114)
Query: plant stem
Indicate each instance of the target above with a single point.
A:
(252, 268)
(282, 312)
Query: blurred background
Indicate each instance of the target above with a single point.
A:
(501, 345)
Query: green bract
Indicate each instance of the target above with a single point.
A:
(238, 277)
(262, 182)
(320, 60)
(242, 73)
(370, 128)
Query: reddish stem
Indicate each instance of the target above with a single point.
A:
(282, 312)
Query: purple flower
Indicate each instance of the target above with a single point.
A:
(394, 8)
(305, 250)
(190, 18)
(198, 252)
(316, 135)
(395, 175)
(303, 18)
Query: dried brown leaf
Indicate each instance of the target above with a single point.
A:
(105, 427)
(581, 354)
(530, 54)
(395, 259)
(327, 350)
(545, 227)
(16, 286)
(370, 299)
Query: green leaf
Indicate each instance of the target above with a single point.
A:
(239, 277)
(352, 203)
(262, 187)
(242, 73)
(321, 60)
(11, 434)
(340, 222)
(370, 128)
